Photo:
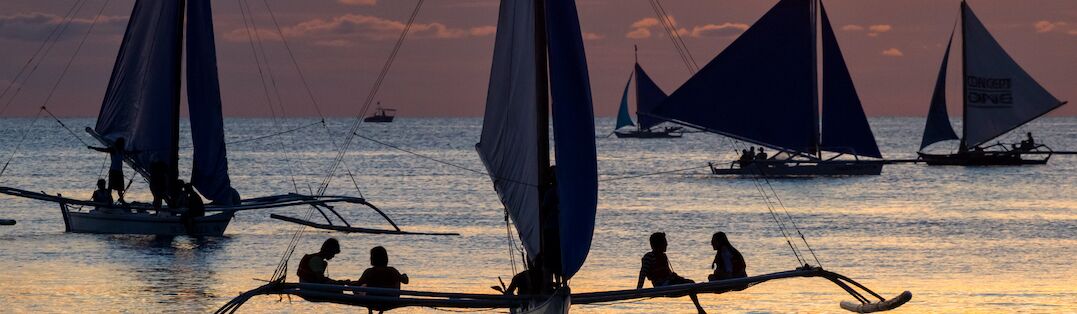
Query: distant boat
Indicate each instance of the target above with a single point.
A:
(142, 105)
(763, 89)
(7, 222)
(648, 96)
(999, 96)
(381, 115)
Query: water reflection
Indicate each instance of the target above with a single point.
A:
(178, 270)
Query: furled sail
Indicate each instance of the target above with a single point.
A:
(210, 165)
(938, 126)
(999, 95)
(574, 134)
(845, 126)
(623, 117)
(141, 102)
(509, 126)
(760, 88)
(648, 96)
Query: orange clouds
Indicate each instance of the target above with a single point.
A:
(642, 28)
(873, 30)
(893, 52)
(348, 29)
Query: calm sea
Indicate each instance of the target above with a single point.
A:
(998, 239)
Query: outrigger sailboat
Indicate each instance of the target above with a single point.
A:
(142, 106)
(540, 66)
(999, 97)
(648, 96)
(763, 89)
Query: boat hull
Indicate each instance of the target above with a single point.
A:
(379, 119)
(638, 134)
(102, 222)
(980, 159)
(781, 169)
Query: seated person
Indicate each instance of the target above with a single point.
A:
(312, 267)
(728, 262)
(656, 268)
(102, 195)
(380, 275)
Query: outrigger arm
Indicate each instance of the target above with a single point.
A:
(361, 296)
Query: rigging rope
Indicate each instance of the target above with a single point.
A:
(79, 4)
(25, 134)
(686, 56)
(33, 56)
(281, 270)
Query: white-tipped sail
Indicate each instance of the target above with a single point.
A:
(509, 128)
(999, 95)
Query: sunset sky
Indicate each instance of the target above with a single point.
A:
(893, 49)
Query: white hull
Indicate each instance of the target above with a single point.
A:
(102, 222)
(556, 304)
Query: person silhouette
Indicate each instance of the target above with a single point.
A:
(728, 262)
(655, 267)
(312, 267)
(761, 155)
(116, 153)
(102, 195)
(381, 275)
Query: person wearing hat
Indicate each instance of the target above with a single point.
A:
(312, 267)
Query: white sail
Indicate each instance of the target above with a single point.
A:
(999, 95)
(507, 146)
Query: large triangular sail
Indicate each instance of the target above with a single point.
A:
(845, 127)
(142, 100)
(760, 88)
(999, 95)
(648, 97)
(509, 126)
(209, 173)
(623, 117)
(574, 134)
(937, 127)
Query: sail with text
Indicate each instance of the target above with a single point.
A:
(999, 95)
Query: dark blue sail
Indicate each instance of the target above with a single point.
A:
(574, 134)
(648, 96)
(760, 88)
(938, 126)
(845, 126)
(210, 166)
(623, 117)
(142, 100)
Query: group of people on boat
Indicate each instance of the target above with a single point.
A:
(728, 263)
(175, 194)
(747, 156)
(313, 269)
(1026, 145)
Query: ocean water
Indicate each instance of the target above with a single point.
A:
(987, 240)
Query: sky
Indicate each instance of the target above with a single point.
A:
(893, 50)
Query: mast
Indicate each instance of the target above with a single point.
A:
(964, 83)
(635, 55)
(816, 134)
(551, 255)
(173, 172)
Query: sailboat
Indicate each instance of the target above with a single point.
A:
(540, 70)
(142, 106)
(763, 89)
(381, 115)
(648, 95)
(999, 96)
